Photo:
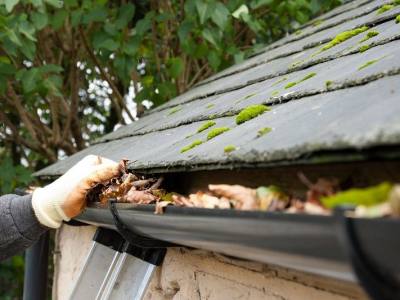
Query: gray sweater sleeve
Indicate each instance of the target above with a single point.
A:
(19, 227)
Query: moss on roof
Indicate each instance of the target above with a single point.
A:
(229, 148)
(275, 93)
(308, 76)
(191, 146)
(216, 131)
(205, 126)
(251, 112)
(263, 131)
(364, 48)
(384, 8)
(211, 105)
(279, 81)
(398, 19)
(370, 34)
(368, 63)
(290, 84)
(344, 36)
(317, 22)
(328, 83)
(174, 110)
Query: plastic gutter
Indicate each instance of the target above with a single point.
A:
(309, 243)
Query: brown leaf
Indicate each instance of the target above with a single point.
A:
(322, 188)
(139, 197)
(160, 207)
(129, 177)
(157, 184)
(242, 197)
(122, 166)
(143, 183)
(180, 200)
(203, 200)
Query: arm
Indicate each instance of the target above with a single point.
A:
(19, 228)
(24, 219)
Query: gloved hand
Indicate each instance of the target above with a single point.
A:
(64, 198)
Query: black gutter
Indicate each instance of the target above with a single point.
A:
(308, 243)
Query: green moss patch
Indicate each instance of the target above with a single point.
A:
(263, 131)
(367, 64)
(189, 136)
(384, 8)
(275, 93)
(191, 146)
(292, 84)
(216, 131)
(297, 63)
(279, 81)
(344, 36)
(317, 23)
(174, 110)
(364, 48)
(398, 19)
(308, 76)
(210, 106)
(370, 34)
(328, 83)
(251, 112)
(229, 149)
(367, 196)
(205, 126)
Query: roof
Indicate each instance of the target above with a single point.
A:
(344, 98)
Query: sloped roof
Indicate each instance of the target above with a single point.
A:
(351, 103)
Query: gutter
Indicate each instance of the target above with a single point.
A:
(310, 243)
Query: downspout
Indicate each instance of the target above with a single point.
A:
(36, 266)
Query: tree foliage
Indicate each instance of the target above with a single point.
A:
(12, 278)
(68, 68)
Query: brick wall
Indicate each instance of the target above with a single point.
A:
(196, 274)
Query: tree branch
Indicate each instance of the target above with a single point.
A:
(119, 101)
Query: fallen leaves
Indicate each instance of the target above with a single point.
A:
(321, 196)
(128, 188)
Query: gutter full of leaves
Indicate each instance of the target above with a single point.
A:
(321, 198)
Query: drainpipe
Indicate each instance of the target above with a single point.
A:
(36, 265)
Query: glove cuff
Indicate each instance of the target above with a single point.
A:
(48, 209)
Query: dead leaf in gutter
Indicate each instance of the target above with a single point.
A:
(243, 198)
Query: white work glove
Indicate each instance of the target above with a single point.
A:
(65, 198)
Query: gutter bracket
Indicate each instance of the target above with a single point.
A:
(134, 238)
(379, 285)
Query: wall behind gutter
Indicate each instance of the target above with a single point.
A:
(195, 274)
